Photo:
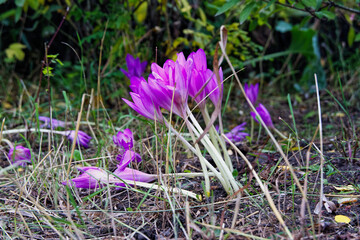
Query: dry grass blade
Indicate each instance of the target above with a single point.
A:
(262, 186)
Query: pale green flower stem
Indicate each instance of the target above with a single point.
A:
(217, 174)
(218, 140)
(202, 163)
(216, 156)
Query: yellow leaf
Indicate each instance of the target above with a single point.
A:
(345, 188)
(342, 219)
(340, 114)
(15, 51)
(140, 13)
(6, 105)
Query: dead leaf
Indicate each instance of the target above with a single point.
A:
(345, 188)
(346, 200)
(329, 206)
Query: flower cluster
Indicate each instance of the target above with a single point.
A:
(252, 92)
(169, 87)
(94, 177)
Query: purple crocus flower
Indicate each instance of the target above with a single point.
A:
(94, 177)
(83, 139)
(252, 92)
(212, 87)
(264, 114)
(143, 103)
(237, 134)
(169, 85)
(124, 140)
(135, 67)
(20, 154)
(55, 123)
(202, 75)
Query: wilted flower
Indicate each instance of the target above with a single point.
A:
(21, 155)
(237, 134)
(124, 139)
(252, 92)
(126, 158)
(54, 123)
(264, 114)
(94, 177)
(83, 139)
(135, 67)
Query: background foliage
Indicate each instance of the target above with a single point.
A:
(279, 43)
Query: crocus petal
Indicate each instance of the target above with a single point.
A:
(94, 177)
(126, 158)
(55, 123)
(264, 114)
(132, 174)
(91, 177)
(237, 134)
(212, 87)
(83, 139)
(20, 155)
(144, 105)
(252, 92)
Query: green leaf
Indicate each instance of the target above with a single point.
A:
(326, 14)
(357, 37)
(7, 14)
(351, 36)
(283, 27)
(77, 155)
(246, 12)
(19, 3)
(318, 4)
(310, 3)
(34, 4)
(226, 7)
(301, 41)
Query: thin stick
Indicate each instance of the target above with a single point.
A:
(99, 77)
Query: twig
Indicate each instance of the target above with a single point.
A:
(47, 49)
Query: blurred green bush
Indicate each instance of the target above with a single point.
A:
(278, 43)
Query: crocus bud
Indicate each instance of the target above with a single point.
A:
(264, 114)
(252, 92)
(83, 139)
(135, 67)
